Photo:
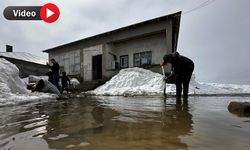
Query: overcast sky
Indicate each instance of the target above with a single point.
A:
(216, 37)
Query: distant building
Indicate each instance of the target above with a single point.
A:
(138, 45)
(27, 63)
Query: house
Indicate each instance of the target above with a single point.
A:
(138, 45)
(28, 64)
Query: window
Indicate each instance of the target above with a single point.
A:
(142, 58)
(124, 61)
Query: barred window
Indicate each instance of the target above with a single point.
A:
(124, 63)
(142, 58)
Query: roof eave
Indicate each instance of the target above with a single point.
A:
(117, 30)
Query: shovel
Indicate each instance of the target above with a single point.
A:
(163, 72)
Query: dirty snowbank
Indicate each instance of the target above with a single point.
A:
(12, 88)
(10, 81)
(32, 78)
(138, 81)
(74, 82)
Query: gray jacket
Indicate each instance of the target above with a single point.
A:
(50, 88)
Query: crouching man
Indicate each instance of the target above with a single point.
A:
(65, 82)
(182, 71)
(46, 87)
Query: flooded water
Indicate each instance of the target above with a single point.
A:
(140, 123)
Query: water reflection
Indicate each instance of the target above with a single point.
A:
(143, 123)
(176, 123)
(74, 122)
(178, 117)
(124, 123)
(100, 123)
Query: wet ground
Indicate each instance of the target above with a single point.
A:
(141, 123)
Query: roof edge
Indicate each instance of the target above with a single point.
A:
(116, 30)
(22, 60)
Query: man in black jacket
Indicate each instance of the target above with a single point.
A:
(54, 72)
(182, 71)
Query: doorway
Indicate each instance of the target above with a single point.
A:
(97, 67)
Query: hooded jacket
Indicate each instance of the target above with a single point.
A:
(182, 66)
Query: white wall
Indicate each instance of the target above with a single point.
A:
(70, 61)
(156, 43)
(109, 58)
(88, 53)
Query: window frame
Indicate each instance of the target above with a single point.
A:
(140, 63)
(122, 56)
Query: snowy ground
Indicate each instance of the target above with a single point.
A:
(131, 82)
(138, 81)
(13, 89)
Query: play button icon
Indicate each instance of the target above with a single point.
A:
(49, 13)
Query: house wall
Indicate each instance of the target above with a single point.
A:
(69, 61)
(159, 43)
(109, 54)
(155, 37)
(88, 53)
(154, 43)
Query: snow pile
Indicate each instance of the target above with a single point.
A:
(132, 81)
(33, 78)
(74, 82)
(12, 88)
(10, 81)
(215, 88)
(138, 81)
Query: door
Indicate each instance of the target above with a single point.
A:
(97, 67)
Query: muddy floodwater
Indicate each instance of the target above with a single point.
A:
(125, 123)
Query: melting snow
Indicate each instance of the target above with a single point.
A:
(12, 88)
(138, 81)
